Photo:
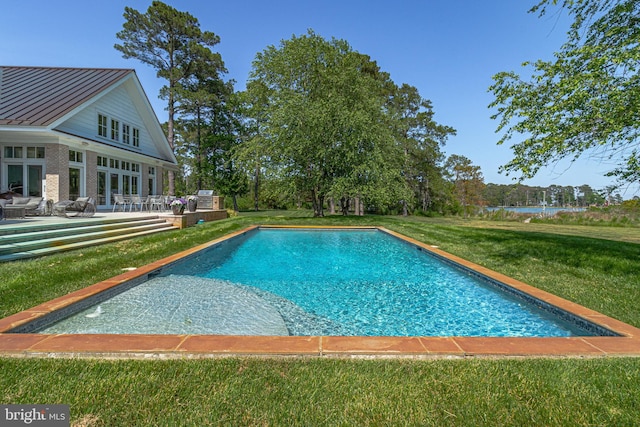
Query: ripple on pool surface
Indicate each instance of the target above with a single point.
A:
(196, 306)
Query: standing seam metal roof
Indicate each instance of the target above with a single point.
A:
(38, 96)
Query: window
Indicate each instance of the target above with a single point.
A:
(114, 163)
(102, 125)
(35, 152)
(13, 152)
(75, 156)
(136, 137)
(125, 166)
(135, 167)
(134, 184)
(126, 133)
(102, 161)
(152, 171)
(115, 130)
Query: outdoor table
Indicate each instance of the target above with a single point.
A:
(14, 212)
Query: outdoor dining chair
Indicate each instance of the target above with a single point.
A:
(156, 202)
(118, 200)
(137, 201)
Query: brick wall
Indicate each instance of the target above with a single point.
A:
(144, 172)
(159, 180)
(91, 174)
(57, 177)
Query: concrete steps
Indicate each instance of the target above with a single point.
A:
(48, 238)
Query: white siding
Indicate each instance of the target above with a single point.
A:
(116, 104)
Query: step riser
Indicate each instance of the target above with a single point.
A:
(74, 231)
(33, 242)
(66, 240)
(78, 245)
(73, 223)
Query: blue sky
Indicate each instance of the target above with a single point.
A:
(448, 49)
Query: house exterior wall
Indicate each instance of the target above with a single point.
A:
(91, 175)
(119, 106)
(124, 164)
(160, 172)
(145, 180)
(57, 172)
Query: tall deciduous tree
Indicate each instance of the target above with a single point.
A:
(467, 180)
(173, 44)
(254, 116)
(324, 128)
(586, 100)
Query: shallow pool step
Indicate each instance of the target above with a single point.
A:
(30, 244)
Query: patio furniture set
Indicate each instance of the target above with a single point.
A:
(139, 203)
(20, 207)
(84, 207)
(160, 203)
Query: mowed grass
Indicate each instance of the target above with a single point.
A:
(331, 392)
(589, 265)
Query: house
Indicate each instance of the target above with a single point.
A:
(71, 132)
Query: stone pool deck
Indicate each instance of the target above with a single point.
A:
(194, 346)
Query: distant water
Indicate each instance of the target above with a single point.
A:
(535, 210)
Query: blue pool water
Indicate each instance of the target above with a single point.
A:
(310, 282)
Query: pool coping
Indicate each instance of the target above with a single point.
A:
(195, 346)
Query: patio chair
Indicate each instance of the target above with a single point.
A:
(137, 201)
(166, 201)
(119, 200)
(84, 207)
(156, 202)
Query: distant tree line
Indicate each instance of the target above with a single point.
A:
(554, 195)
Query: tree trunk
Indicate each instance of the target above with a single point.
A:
(199, 153)
(256, 185)
(318, 201)
(321, 205)
(235, 203)
(332, 206)
(426, 197)
(344, 206)
(171, 176)
(405, 210)
(356, 206)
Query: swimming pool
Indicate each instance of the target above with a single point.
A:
(18, 337)
(321, 283)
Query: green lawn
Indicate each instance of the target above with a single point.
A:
(591, 265)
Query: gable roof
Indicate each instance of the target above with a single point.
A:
(42, 98)
(38, 96)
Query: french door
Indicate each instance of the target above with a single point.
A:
(25, 179)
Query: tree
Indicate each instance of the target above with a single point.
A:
(173, 43)
(323, 130)
(253, 110)
(467, 180)
(586, 100)
(420, 139)
(231, 176)
(202, 102)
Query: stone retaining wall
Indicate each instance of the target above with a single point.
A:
(189, 219)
